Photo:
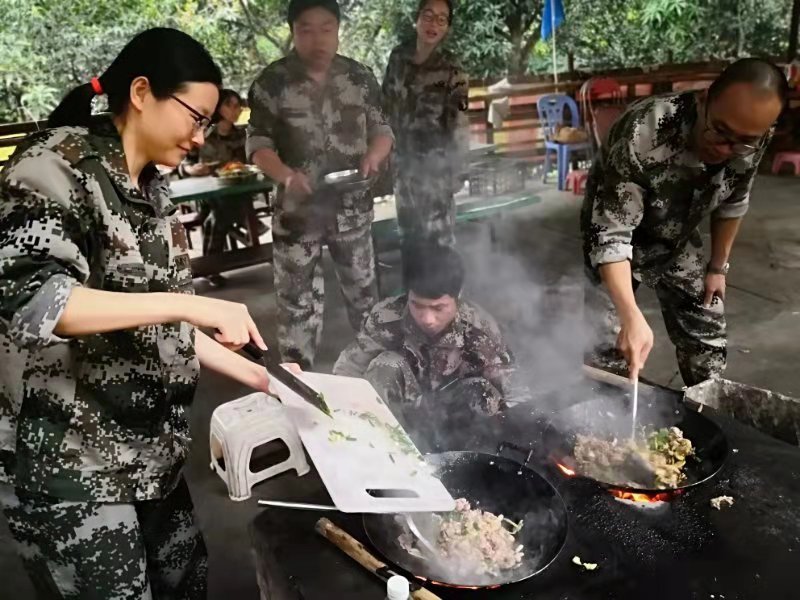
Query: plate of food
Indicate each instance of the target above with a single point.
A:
(237, 172)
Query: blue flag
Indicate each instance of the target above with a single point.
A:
(552, 17)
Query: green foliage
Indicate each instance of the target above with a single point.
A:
(48, 46)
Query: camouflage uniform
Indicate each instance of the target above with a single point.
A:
(222, 214)
(429, 382)
(101, 429)
(426, 105)
(645, 199)
(317, 130)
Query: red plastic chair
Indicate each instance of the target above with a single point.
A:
(786, 158)
(601, 103)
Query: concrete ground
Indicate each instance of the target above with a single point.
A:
(539, 252)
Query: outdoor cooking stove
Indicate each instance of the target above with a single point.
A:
(668, 546)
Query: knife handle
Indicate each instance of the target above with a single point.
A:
(253, 351)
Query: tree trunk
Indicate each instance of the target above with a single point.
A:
(516, 64)
(570, 62)
(794, 26)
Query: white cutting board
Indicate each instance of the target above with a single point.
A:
(362, 448)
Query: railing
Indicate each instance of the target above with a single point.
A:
(12, 134)
(520, 135)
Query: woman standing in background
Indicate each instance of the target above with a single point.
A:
(426, 98)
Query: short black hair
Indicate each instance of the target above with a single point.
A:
(170, 59)
(298, 7)
(224, 96)
(423, 3)
(757, 72)
(432, 270)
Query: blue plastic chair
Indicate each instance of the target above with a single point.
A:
(551, 112)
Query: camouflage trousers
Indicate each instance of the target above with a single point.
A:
(300, 285)
(426, 209)
(222, 216)
(145, 550)
(698, 333)
(427, 415)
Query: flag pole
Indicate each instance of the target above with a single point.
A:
(553, 33)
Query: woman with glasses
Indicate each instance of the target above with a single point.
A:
(224, 143)
(425, 96)
(671, 161)
(96, 301)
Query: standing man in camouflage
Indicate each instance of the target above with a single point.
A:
(669, 162)
(426, 97)
(312, 113)
(436, 359)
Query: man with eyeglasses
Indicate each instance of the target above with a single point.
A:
(669, 162)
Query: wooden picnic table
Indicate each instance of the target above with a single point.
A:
(385, 232)
(207, 188)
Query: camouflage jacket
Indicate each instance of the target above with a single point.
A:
(318, 130)
(102, 417)
(647, 191)
(219, 148)
(471, 347)
(426, 105)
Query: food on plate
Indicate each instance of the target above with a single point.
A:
(721, 501)
(235, 169)
(472, 541)
(661, 454)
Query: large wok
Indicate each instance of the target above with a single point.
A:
(610, 417)
(498, 485)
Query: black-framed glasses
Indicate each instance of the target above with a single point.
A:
(428, 16)
(201, 122)
(720, 138)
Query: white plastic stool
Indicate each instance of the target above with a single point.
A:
(241, 426)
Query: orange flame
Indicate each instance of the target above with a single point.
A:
(645, 498)
(566, 470)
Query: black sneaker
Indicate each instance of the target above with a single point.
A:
(217, 281)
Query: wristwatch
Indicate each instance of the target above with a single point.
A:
(721, 271)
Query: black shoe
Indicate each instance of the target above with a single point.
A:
(217, 281)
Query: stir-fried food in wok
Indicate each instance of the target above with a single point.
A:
(473, 541)
(660, 455)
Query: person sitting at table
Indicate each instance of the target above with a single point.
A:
(224, 143)
(425, 95)
(315, 112)
(96, 291)
(435, 358)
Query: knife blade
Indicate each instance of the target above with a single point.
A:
(275, 369)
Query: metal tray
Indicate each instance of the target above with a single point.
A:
(349, 180)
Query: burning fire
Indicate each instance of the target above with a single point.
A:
(644, 498)
(566, 470)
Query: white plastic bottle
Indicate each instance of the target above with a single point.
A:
(397, 588)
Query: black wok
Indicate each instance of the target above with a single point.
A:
(608, 418)
(498, 485)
